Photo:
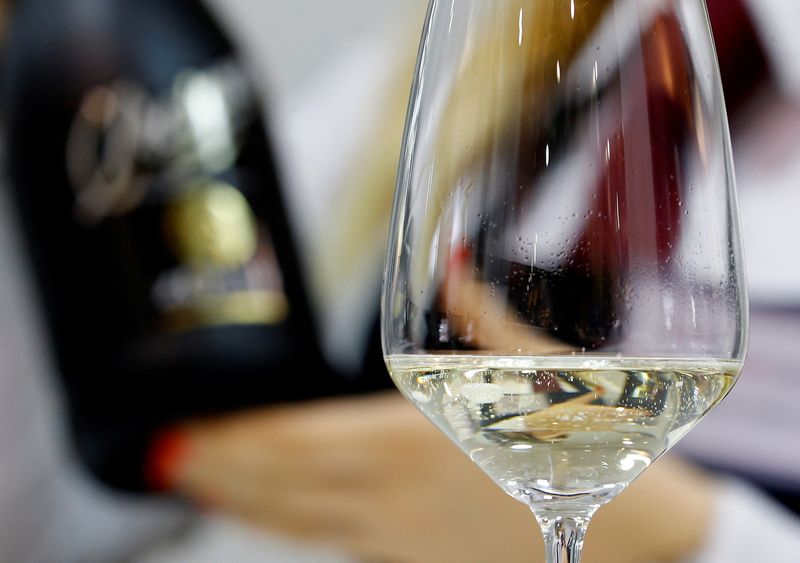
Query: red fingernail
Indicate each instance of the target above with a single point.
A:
(460, 256)
(166, 455)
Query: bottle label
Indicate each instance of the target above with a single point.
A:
(129, 154)
(228, 271)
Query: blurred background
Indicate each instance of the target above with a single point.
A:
(136, 423)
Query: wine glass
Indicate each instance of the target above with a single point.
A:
(564, 292)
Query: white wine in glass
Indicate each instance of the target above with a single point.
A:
(564, 295)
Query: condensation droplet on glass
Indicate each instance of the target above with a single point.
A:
(482, 393)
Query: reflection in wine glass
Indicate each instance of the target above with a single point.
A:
(564, 293)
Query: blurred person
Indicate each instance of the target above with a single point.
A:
(370, 476)
(722, 514)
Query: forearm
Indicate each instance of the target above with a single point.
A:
(372, 477)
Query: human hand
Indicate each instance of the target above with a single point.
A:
(371, 476)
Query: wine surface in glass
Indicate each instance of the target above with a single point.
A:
(563, 426)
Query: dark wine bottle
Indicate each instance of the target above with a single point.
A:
(151, 204)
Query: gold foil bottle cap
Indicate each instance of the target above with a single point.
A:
(212, 227)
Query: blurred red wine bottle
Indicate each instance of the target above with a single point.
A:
(146, 187)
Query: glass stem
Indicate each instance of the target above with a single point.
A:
(563, 535)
